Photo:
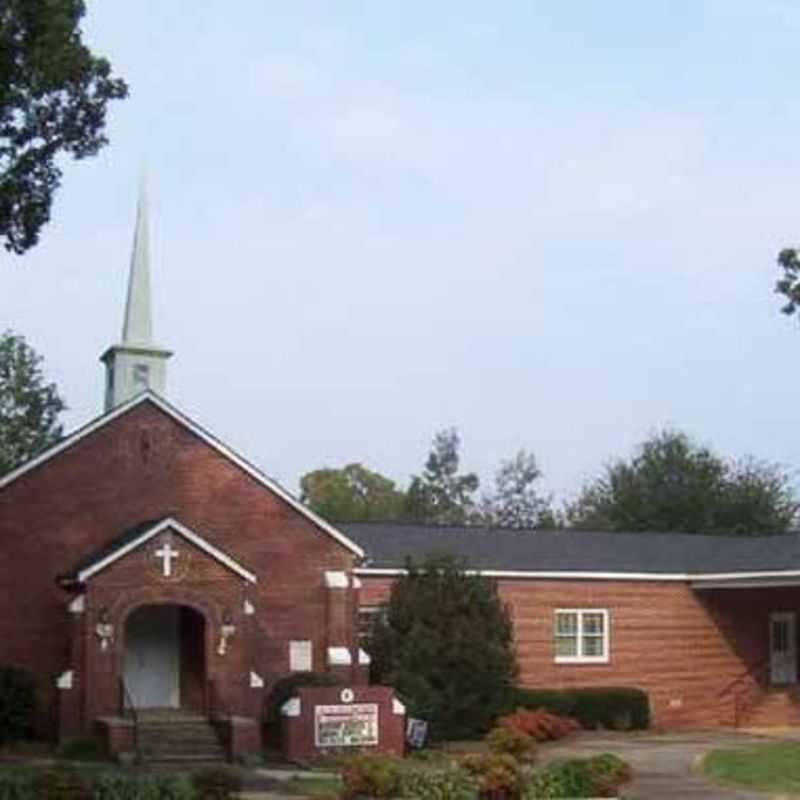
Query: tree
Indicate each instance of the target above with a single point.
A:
(441, 495)
(351, 494)
(674, 484)
(789, 283)
(53, 98)
(516, 501)
(445, 644)
(29, 407)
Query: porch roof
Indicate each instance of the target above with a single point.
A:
(676, 556)
(137, 535)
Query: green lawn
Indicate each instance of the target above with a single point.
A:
(770, 767)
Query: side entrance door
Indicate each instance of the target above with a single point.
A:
(783, 647)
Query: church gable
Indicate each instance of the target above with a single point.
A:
(150, 449)
(166, 558)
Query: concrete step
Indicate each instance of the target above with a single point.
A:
(178, 737)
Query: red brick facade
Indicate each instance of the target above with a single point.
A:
(701, 655)
(146, 465)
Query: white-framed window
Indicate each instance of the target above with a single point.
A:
(580, 635)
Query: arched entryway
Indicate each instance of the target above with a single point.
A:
(164, 657)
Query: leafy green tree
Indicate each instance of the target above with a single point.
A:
(516, 501)
(673, 484)
(445, 644)
(29, 406)
(789, 283)
(53, 98)
(351, 494)
(442, 495)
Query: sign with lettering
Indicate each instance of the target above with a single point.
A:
(346, 725)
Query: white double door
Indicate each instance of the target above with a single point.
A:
(152, 660)
(783, 647)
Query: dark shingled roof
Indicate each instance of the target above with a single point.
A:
(388, 544)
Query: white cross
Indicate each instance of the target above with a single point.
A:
(167, 553)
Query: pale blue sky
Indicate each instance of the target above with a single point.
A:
(552, 225)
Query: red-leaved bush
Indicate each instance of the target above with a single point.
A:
(539, 724)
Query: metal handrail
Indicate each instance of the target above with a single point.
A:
(738, 697)
(128, 705)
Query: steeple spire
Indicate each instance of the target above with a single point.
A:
(136, 364)
(137, 329)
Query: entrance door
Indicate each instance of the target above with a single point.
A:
(782, 647)
(152, 657)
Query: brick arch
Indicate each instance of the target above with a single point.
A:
(209, 611)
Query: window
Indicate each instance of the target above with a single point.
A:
(141, 376)
(581, 636)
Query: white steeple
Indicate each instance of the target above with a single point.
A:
(138, 327)
(137, 363)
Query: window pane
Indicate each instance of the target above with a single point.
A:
(567, 646)
(593, 646)
(593, 623)
(567, 624)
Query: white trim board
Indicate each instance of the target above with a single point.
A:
(197, 430)
(183, 531)
(699, 580)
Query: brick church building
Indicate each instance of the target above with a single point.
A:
(147, 565)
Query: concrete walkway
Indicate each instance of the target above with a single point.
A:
(663, 763)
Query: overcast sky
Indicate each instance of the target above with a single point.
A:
(552, 225)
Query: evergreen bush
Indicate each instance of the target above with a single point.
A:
(452, 783)
(17, 703)
(372, 776)
(445, 644)
(286, 688)
(17, 787)
(216, 783)
(61, 782)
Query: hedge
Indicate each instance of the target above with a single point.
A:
(615, 707)
(17, 703)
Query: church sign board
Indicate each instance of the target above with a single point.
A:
(353, 725)
(319, 720)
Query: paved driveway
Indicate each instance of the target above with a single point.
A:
(662, 763)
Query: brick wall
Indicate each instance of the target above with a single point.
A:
(682, 646)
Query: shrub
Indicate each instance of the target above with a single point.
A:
(510, 741)
(497, 773)
(286, 688)
(607, 772)
(600, 776)
(373, 776)
(449, 784)
(17, 787)
(17, 703)
(216, 783)
(61, 782)
(607, 707)
(84, 748)
(445, 644)
(113, 786)
(541, 725)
